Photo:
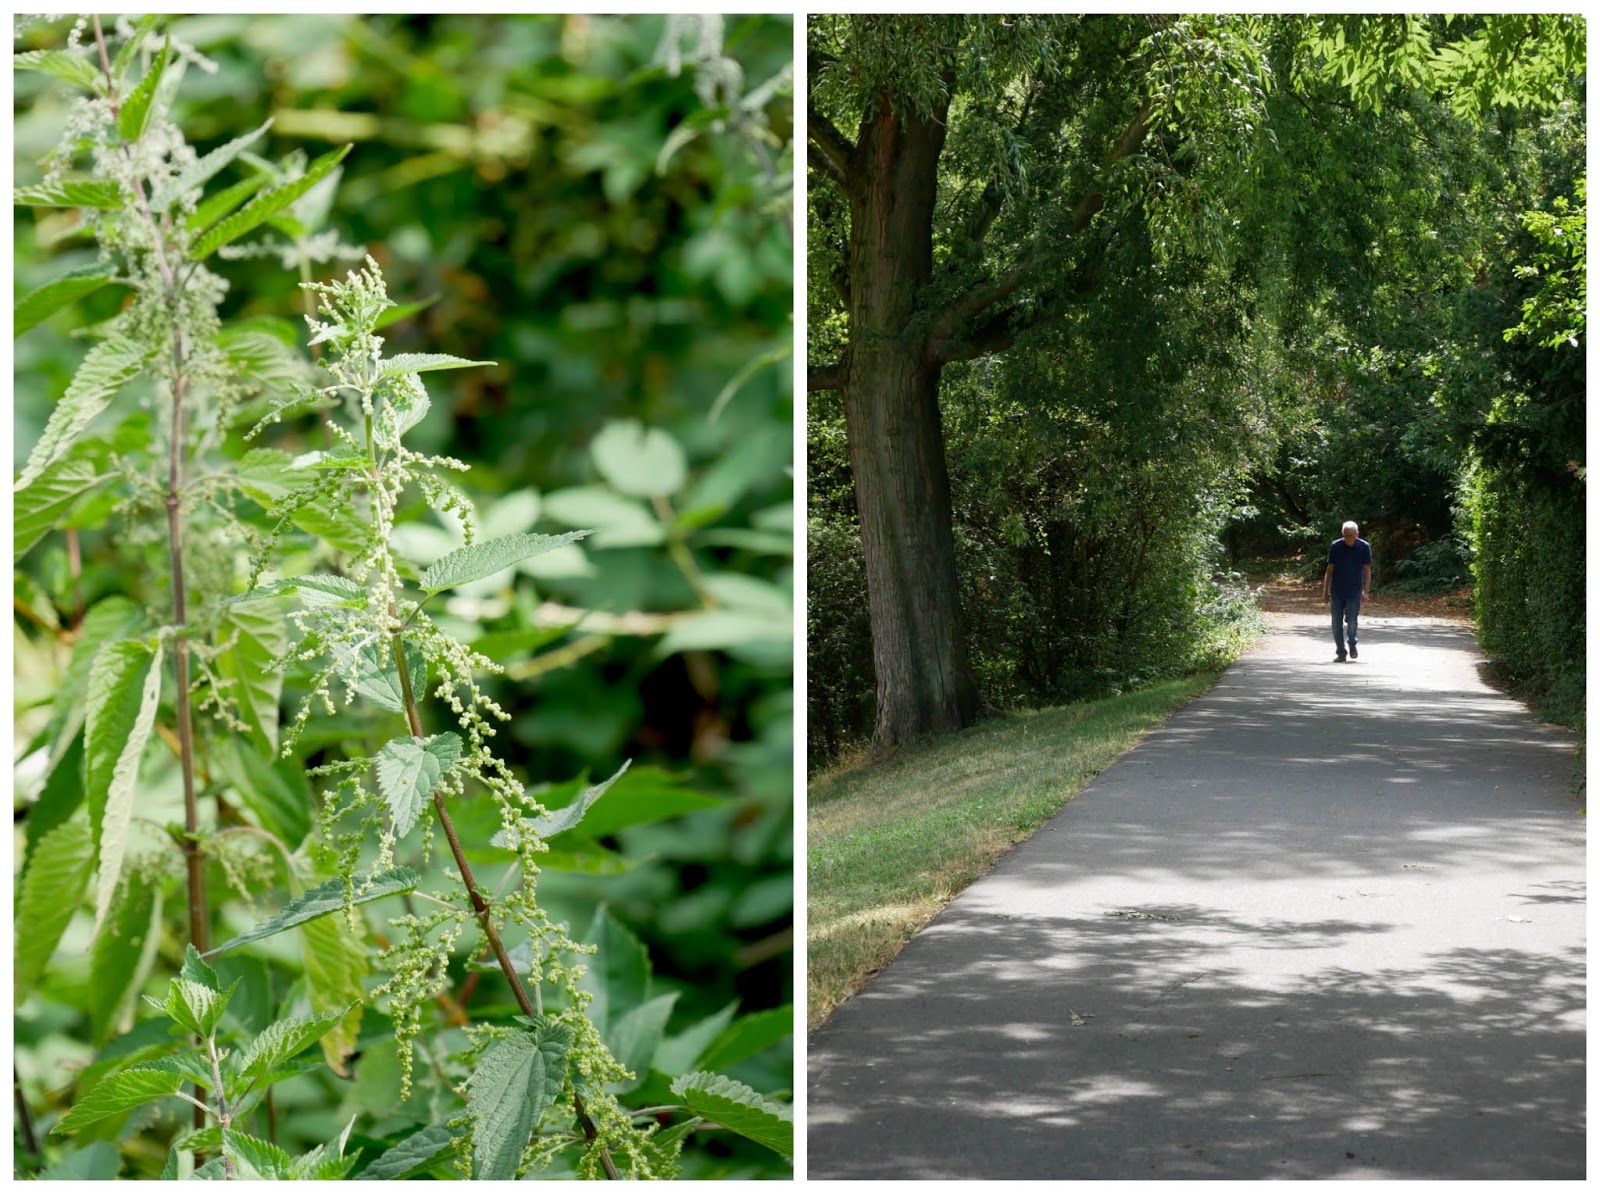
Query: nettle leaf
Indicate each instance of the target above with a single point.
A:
(124, 691)
(65, 65)
(739, 1109)
(73, 192)
(98, 1161)
(413, 1155)
(108, 367)
(550, 824)
(679, 1054)
(409, 771)
(115, 617)
(51, 890)
(315, 589)
(618, 977)
(118, 1093)
(218, 159)
(197, 1007)
(196, 970)
(749, 1035)
(134, 116)
(259, 638)
(635, 1036)
(130, 47)
(122, 957)
(274, 789)
(478, 560)
(281, 1041)
(379, 680)
(519, 1077)
(40, 508)
(336, 962)
(38, 305)
(214, 207)
(326, 898)
(263, 207)
(425, 362)
(639, 461)
(255, 1160)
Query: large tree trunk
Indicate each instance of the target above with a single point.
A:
(891, 400)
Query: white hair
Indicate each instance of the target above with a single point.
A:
(1349, 526)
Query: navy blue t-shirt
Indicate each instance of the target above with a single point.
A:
(1347, 564)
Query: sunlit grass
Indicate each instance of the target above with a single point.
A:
(888, 845)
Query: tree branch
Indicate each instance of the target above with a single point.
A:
(828, 151)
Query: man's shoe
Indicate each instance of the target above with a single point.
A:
(1353, 651)
(1339, 658)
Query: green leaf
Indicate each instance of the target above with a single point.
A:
(208, 167)
(478, 560)
(122, 956)
(263, 207)
(635, 1036)
(130, 47)
(119, 1092)
(134, 115)
(51, 890)
(114, 617)
(618, 977)
(196, 970)
(315, 589)
(74, 192)
(42, 506)
(77, 69)
(61, 796)
(197, 1007)
(326, 898)
(259, 639)
(214, 207)
(639, 462)
(409, 771)
(619, 521)
(562, 819)
(124, 691)
(274, 790)
(379, 681)
(38, 305)
(335, 958)
(679, 1054)
(108, 367)
(401, 311)
(413, 1155)
(739, 1109)
(643, 796)
(425, 362)
(519, 1077)
(283, 1040)
(98, 1161)
(191, 1066)
(255, 1160)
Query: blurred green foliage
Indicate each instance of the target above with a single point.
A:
(601, 206)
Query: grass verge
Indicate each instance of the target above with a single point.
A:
(889, 845)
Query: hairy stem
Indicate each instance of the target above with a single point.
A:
(480, 906)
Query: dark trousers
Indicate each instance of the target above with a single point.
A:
(1345, 611)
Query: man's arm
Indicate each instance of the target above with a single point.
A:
(1327, 583)
(1366, 580)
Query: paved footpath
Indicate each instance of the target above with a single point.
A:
(1327, 922)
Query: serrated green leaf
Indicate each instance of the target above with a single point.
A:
(635, 1036)
(618, 976)
(643, 796)
(115, 617)
(323, 899)
(409, 771)
(550, 824)
(122, 955)
(190, 1066)
(259, 637)
(61, 796)
(425, 362)
(196, 970)
(747, 1036)
(413, 1155)
(478, 560)
(134, 115)
(315, 589)
(263, 207)
(201, 1140)
(639, 461)
(38, 305)
(401, 311)
(108, 367)
(215, 207)
(281, 1041)
(65, 65)
(619, 521)
(119, 1092)
(51, 890)
(98, 1161)
(213, 163)
(335, 962)
(678, 1054)
(214, 1170)
(196, 1006)
(739, 1109)
(379, 680)
(39, 508)
(124, 692)
(519, 1077)
(275, 790)
(74, 192)
(255, 1160)
(130, 47)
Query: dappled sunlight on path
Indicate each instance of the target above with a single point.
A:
(1327, 922)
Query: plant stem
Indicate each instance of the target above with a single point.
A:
(479, 905)
(30, 1139)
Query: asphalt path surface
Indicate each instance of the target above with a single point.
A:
(1327, 922)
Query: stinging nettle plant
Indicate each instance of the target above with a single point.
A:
(200, 669)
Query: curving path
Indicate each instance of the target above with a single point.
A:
(1327, 922)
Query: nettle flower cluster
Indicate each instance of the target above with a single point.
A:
(366, 633)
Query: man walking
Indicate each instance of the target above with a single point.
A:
(1346, 583)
